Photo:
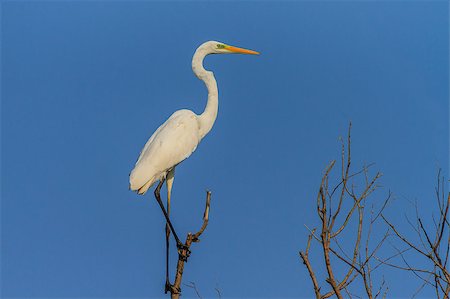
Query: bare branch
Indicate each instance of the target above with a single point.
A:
(402, 237)
(219, 294)
(175, 289)
(357, 201)
(193, 286)
(350, 208)
(438, 275)
(305, 258)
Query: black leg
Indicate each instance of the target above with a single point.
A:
(158, 198)
(168, 284)
(169, 183)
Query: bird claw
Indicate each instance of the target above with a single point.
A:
(167, 287)
(171, 288)
(183, 251)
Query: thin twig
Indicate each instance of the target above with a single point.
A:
(192, 285)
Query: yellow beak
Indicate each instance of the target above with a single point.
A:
(241, 50)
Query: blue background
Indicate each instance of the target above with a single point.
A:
(84, 84)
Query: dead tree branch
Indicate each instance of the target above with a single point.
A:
(349, 212)
(192, 285)
(175, 289)
(433, 246)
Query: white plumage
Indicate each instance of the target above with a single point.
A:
(172, 142)
(179, 136)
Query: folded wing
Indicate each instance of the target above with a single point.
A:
(172, 142)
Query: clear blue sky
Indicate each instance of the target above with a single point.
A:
(84, 84)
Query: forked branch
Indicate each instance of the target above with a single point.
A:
(433, 245)
(350, 210)
(175, 288)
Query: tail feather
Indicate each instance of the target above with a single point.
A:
(140, 187)
(143, 189)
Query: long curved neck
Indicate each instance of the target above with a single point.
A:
(207, 118)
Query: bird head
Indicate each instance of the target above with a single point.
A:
(215, 47)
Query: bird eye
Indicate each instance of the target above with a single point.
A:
(220, 46)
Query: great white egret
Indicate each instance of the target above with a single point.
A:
(179, 136)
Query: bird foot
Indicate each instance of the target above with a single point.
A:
(168, 287)
(183, 251)
(171, 288)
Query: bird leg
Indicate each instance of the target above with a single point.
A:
(181, 247)
(169, 183)
(168, 284)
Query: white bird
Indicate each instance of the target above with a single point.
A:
(179, 136)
